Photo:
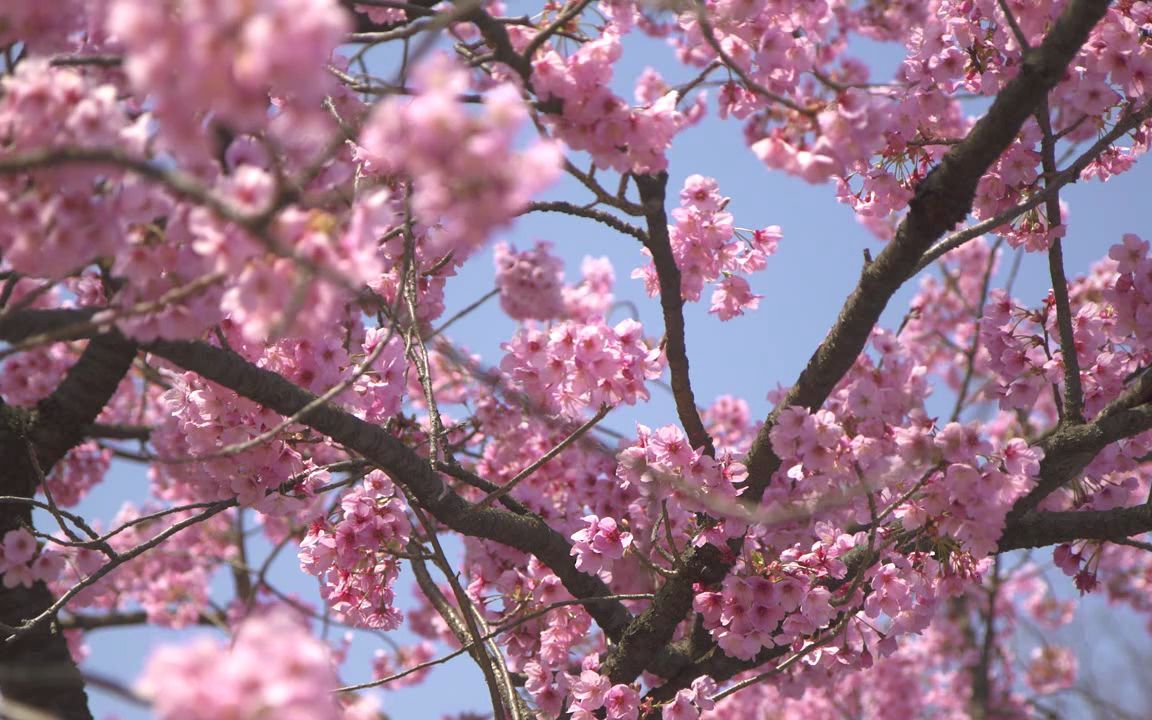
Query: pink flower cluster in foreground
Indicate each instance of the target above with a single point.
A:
(198, 56)
(467, 177)
(64, 218)
(272, 668)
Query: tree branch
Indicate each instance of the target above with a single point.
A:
(1052, 186)
(1073, 405)
(1040, 529)
(527, 533)
(942, 199)
(652, 194)
(1068, 450)
(560, 206)
(36, 669)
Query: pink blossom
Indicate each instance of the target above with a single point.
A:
(18, 546)
(599, 544)
(482, 182)
(1052, 669)
(530, 282)
(275, 666)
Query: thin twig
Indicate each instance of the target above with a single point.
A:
(560, 206)
(1052, 185)
(495, 632)
(526, 472)
(1073, 405)
(467, 310)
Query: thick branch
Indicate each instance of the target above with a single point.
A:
(61, 419)
(1068, 450)
(527, 533)
(652, 192)
(943, 199)
(1052, 185)
(1040, 529)
(364, 24)
(129, 619)
(646, 636)
(37, 669)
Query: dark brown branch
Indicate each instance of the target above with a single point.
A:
(981, 704)
(107, 61)
(1068, 450)
(363, 24)
(496, 36)
(37, 669)
(942, 199)
(527, 533)
(652, 194)
(462, 620)
(643, 642)
(1052, 185)
(563, 18)
(128, 619)
(1040, 529)
(618, 201)
(118, 432)
(1073, 404)
(559, 206)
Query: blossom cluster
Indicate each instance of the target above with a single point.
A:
(708, 248)
(575, 366)
(752, 612)
(591, 691)
(272, 668)
(266, 290)
(23, 562)
(78, 472)
(467, 178)
(1024, 357)
(196, 57)
(596, 120)
(530, 282)
(354, 554)
(971, 498)
(204, 418)
(1131, 295)
(590, 299)
(31, 376)
(662, 462)
(70, 216)
(598, 544)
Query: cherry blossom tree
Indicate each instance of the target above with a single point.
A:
(227, 229)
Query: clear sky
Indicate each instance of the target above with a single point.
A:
(804, 286)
